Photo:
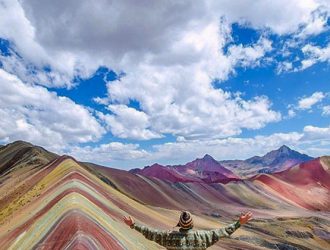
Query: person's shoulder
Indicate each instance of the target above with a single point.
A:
(191, 231)
(202, 232)
(198, 231)
(174, 232)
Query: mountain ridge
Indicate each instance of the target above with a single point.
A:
(14, 153)
(272, 162)
(209, 170)
(87, 201)
(205, 169)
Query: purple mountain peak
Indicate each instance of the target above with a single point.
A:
(284, 149)
(205, 169)
(155, 165)
(208, 157)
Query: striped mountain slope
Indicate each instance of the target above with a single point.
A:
(64, 204)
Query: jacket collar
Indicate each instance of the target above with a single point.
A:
(182, 230)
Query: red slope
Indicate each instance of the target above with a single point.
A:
(77, 231)
(306, 185)
(306, 173)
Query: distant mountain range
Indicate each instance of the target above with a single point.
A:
(208, 170)
(274, 161)
(43, 195)
(205, 169)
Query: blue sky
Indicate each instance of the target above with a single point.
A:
(206, 78)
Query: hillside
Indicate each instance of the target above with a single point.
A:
(22, 153)
(18, 161)
(64, 204)
(307, 184)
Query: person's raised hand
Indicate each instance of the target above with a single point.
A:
(244, 218)
(128, 220)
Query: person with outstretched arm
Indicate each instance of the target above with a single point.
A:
(186, 238)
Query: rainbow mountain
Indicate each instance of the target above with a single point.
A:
(55, 202)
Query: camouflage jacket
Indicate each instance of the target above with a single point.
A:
(186, 239)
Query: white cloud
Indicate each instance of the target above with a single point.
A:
(249, 56)
(196, 110)
(314, 54)
(281, 17)
(170, 59)
(284, 67)
(29, 73)
(326, 110)
(15, 27)
(33, 55)
(122, 34)
(128, 122)
(179, 99)
(291, 113)
(316, 133)
(308, 102)
(312, 140)
(320, 148)
(316, 25)
(34, 114)
(109, 153)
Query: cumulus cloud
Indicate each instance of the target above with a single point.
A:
(291, 113)
(316, 133)
(306, 103)
(29, 57)
(109, 153)
(180, 99)
(128, 122)
(29, 73)
(34, 114)
(316, 25)
(284, 67)
(314, 54)
(121, 34)
(196, 110)
(309, 101)
(170, 62)
(281, 17)
(312, 140)
(326, 110)
(249, 56)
